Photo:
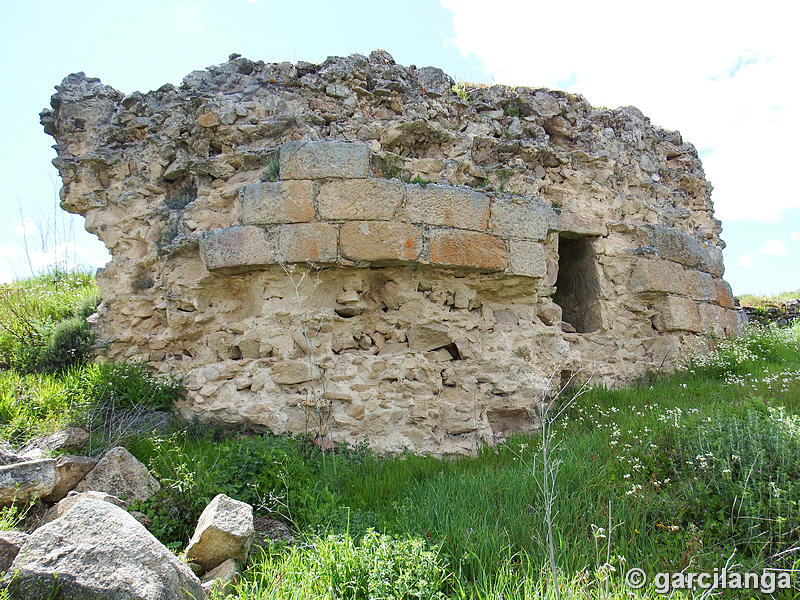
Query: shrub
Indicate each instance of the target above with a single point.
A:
(105, 398)
(758, 344)
(130, 385)
(67, 343)
(42, 321)
(269, 473)
(335, 567)
(273, 168)
(87, 305)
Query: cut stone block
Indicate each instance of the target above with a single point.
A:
(444, 205)
(360, 199)
(724, 296)
(687, 250)
(454, 248)
(236, 249)
(530, 220)
(380, 241)
(323, 159)
(267, 203)
(677, 314)
(527, 258)
(307, 243)
(719, 321)
(658, 276)
(701, 285)
(571, 224)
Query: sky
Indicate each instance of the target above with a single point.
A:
(722, 73)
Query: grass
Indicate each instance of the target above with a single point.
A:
(43, 321)
(46, 381)
(767, 300)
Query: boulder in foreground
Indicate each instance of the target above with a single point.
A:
(97, 551)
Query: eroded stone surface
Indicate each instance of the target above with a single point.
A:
(71, 469)
(528, 187)
(27, 480)
(224, 531)
(120, 474)
(10, 544)
(97, 551)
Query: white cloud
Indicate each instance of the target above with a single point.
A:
(746, 260)
(774, 248)
(795, 236)
(717, 71)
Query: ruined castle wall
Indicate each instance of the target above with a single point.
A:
(351, 248)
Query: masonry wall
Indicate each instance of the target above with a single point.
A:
(353, 250)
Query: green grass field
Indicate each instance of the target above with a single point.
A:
(690, 471)
(761, 300)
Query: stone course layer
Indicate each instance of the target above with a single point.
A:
(351, 250)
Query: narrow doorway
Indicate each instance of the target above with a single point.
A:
(577, 286)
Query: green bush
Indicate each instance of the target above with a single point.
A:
(96, 396)
(87, 305)
(335, 567)
(43, 321)
(127, 385)
(758, 344)
(67, 343)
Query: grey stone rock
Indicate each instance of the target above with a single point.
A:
(119, 473)
(317, 160)
(435, 81)
(97, 551)
(224, 530)
(24, 481)
(687, 250)
(65, 504)
(7, 455)
(221, 577)
(267, 530)
(71, 469)
(10, 544)
(70, 439)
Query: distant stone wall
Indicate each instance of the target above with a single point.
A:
(352, 250)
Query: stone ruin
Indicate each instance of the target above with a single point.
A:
(363, 251)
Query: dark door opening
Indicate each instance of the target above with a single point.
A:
(577, 287)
